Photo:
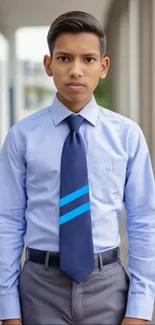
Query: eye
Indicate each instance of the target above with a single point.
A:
(63, 58)
(89, 60)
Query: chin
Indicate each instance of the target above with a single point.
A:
(76, 99)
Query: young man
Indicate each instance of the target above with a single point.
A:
(65, 174)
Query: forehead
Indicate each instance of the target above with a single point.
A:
(77, 43)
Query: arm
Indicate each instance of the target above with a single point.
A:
(140, 208)
(12, 224)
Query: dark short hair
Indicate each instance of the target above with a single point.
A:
(76, 22)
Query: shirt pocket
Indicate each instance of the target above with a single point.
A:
(107, 177)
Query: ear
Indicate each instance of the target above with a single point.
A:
(47, 64)
(105, 63)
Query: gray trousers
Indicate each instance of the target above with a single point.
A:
(49, 297)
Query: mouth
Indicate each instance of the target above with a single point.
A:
(76, 85)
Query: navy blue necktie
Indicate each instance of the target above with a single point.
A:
(76, 244)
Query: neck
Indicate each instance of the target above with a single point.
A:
(74, 107)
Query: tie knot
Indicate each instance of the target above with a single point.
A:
(74, 122)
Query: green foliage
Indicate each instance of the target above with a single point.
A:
(102, 93)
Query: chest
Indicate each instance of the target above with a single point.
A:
(106, 160)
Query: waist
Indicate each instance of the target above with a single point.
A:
(53, 259)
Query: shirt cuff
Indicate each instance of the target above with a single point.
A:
(140, 306)
(10, 307)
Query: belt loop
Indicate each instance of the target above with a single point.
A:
(26, 253)
(100, 262)
(118, 254)
(46, 266)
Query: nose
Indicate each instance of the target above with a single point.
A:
(75, 70)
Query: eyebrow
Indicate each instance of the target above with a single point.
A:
(91, 54)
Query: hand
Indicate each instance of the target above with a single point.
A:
(11, 322)
(133, 321)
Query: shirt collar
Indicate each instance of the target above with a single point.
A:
(59, 111)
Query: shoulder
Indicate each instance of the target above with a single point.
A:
(32, 120)
(123, 128)
(22, 130)
(113, 116)
(116, 119)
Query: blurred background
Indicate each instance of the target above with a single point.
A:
(130, 86)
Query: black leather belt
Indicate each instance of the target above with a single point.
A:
(39, 257)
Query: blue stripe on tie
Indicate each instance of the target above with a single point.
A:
(74, 195)
(74, 213)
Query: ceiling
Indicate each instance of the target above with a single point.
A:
(20, 13)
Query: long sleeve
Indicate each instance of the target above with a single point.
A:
(12, 223)
(140, 208)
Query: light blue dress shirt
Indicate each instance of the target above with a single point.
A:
(120, 173)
